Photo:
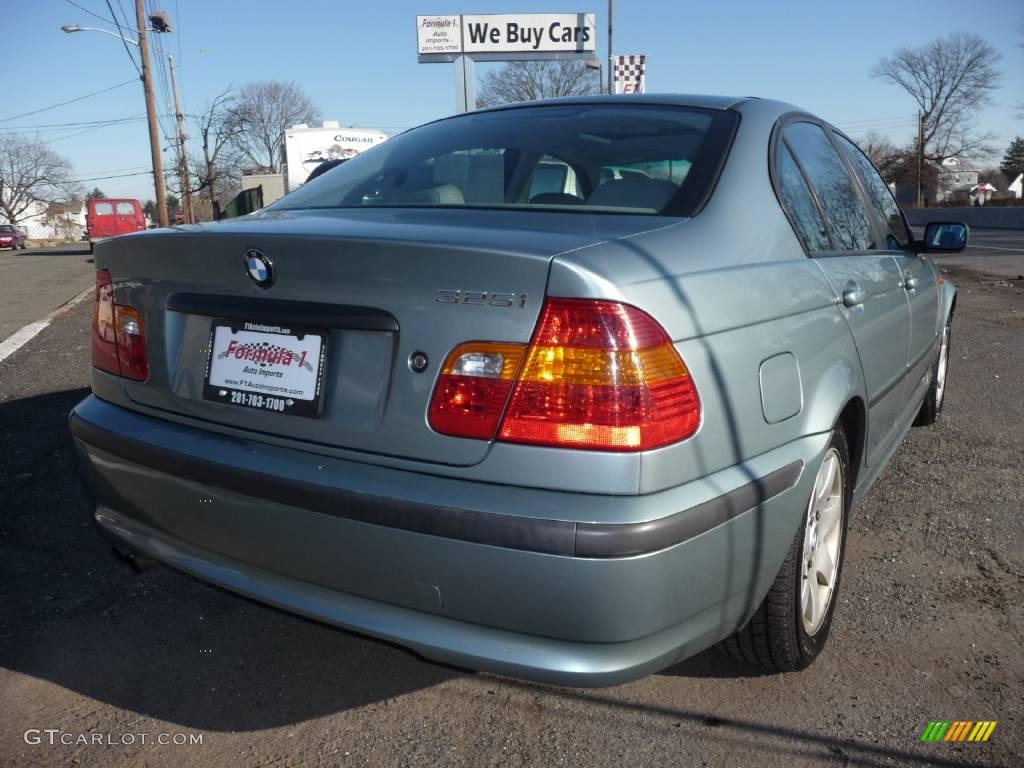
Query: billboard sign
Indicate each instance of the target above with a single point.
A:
(439, 34)
(504, 33)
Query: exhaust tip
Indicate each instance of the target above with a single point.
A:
(139, 563)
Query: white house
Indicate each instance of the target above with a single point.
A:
(54, 220)
(1017, 187)
(956, 178)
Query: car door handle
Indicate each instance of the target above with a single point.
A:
(910, 283)
(853, 297)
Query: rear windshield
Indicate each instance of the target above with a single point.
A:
(6, 228)
(126, 209)
(103, 209)
(613, 158)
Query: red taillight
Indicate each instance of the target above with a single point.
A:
(473, 388)
(597, 375)
(118, 338)
(104, 331)
(131, 344)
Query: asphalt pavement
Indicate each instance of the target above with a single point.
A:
(36, 281)
(996, 251)
(929, 626)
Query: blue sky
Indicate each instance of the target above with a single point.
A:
(357, 60)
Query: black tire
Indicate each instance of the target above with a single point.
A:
(775, 637)
(935, 398)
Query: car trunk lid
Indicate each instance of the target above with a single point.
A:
(380, 286)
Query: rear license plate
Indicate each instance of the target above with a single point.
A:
(265, 367)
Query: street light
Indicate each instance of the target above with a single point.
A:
(78, 28)
(160, 23)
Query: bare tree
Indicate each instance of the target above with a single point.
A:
(31, 172)
(260, 113)
(877, 147)
(531, 80)
(950, 78)
(216, 167)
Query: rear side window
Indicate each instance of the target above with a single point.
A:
(126, 209)
(103, 209)
(844, 211)
(611, 158)
(799, 204)
(885, 205)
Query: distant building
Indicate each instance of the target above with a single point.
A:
(46, 221)
(272, 185)
(957, 179)
(1016, 189)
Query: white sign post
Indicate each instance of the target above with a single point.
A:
(468, 38)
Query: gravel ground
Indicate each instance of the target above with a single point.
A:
(929, 624)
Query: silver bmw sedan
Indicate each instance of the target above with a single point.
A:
(565, 390)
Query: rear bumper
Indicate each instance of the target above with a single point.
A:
(440, 565)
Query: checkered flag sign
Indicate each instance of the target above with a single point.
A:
(630, 74)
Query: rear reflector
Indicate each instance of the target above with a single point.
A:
(597, 375)
(118, 338)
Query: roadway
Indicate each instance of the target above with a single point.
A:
(930, 623)
(37, 281)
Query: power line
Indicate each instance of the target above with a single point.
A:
(69, 101)
(139, 168)
(123, 15)
(119, 176)
(120, 34)
(78, 133)
(181, 60)
(56, 126)
(162, 76)
(83, 8)
(878, 120)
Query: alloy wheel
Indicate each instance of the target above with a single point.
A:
(823, 533)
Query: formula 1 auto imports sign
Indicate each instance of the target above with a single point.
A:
(507, 33)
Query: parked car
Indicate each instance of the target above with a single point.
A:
(109, 217)
(572, 438)
(12, 237)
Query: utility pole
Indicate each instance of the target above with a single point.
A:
(154, 134)
(611, 56)
(920, 159)
(186, 184)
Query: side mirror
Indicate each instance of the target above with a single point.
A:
(944, 237)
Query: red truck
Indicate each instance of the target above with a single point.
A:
(109, 217)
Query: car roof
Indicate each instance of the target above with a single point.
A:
(704, 101)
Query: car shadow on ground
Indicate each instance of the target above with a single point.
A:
(64, 250)
(164, 645)
(159, 642)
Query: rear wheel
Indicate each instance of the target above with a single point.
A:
(931, 408)
(789, 629)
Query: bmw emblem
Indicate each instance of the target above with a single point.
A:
(259, 267)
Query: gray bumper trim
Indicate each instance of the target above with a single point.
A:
(557, 537)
